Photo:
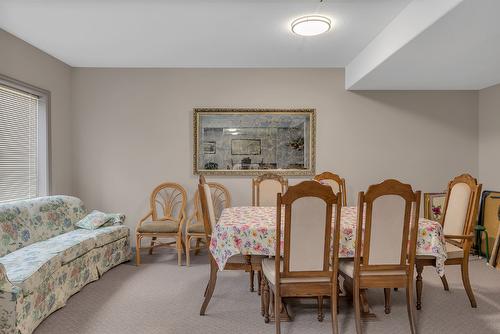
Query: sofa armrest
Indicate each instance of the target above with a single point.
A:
(5, 284)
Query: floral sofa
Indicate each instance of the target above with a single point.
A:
(45, 258)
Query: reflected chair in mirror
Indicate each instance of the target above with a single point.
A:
(434, 206)
(391, 211)
(195, 230)
(164, 220)
(458, 220)
(209, 221)
(265, 188)
(336, 182)
(309, 265)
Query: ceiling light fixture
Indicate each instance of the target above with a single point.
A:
(311, 25)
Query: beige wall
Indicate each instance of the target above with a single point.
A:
(21, 61)
(133, 129)
(489, 137)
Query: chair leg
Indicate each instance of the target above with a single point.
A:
(138, 249)
(321, 316)
(466, 282)
(259, 281)
(210, 286)
(197, 251)
(445, 283)
(178, 244)
(183, 246)
(188, 249)
(261, 293)
(409, 306)
(487, 250)
(387, 295)
(206, 289)
(251, 281)
(265, 300)
(334, 307)
(151, 245)
(357, 307)
(277, 309)
(419, 285)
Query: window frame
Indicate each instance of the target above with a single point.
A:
(44, 131)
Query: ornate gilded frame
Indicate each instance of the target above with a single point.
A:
(197, 112)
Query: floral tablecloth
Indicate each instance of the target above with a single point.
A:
(250, 230)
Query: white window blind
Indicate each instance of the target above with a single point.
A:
(19, 149)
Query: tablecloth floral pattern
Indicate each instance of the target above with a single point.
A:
(251, 230)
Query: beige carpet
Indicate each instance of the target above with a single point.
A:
(160, 297)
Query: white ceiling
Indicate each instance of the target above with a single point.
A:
(196, 33)
(459, 51)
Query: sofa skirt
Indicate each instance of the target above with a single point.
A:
(21, 314)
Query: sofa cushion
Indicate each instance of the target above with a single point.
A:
(69, 245)
(28, 267)
(109, 234)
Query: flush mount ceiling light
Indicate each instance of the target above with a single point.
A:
(311, 25)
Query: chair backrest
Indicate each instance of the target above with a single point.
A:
(390, 211)
(207, 207)
(461, 205)
(221, 199)
(265, 187)
(336, 182)
(307, 235)
(168, 202)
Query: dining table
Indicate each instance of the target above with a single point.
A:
(251, 230)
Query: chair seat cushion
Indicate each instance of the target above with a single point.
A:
(164, 226)
(347, 267)
(196, 228)
(454, 252)
(268, 269)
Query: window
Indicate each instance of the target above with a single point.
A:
(24, 171)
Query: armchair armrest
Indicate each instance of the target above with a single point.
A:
(5, 284)
(143, 219)
(183, 219)
(191, 218)
(462, 237)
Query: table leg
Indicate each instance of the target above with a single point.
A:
(419, 285)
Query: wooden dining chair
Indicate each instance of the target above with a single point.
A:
(336, 182)
(458, 220)
(209, 221)
(309, 265)
(166, 218)
(221, 199)
(265, 187)
(385, 248)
